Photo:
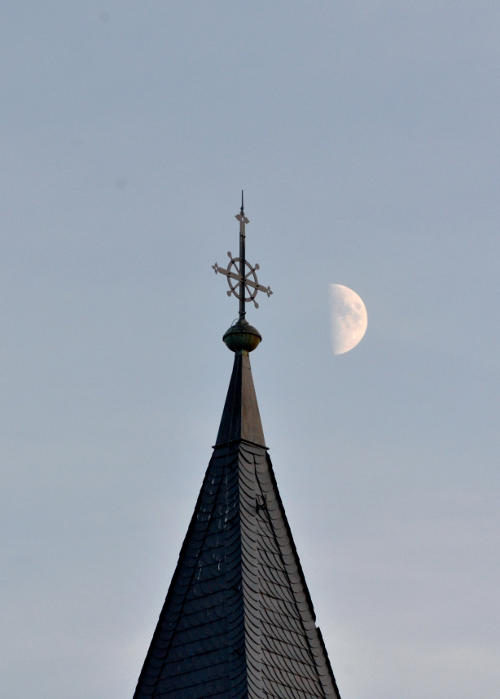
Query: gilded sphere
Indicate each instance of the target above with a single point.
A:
(242, 336)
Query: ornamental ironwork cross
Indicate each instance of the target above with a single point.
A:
(242, 283)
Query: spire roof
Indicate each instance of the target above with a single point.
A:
(238, 620)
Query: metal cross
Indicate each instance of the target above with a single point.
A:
(242, 284)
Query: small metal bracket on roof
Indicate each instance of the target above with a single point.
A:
(260, 503)
(240, 274)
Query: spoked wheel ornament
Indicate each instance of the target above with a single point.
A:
(240, 274)
(251, 284)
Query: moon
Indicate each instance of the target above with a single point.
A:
(348, 316)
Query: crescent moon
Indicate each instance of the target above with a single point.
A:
(348, 317)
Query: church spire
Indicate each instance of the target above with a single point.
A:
(238, 621)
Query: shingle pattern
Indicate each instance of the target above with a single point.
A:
(198, 649)
(291, 660)
(238, 620)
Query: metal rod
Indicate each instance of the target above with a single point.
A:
(242, 261)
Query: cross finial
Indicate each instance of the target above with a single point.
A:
(242, 218)
(247, 285)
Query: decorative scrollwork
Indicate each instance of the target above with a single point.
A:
(244, 287)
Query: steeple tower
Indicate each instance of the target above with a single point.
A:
(238, 621)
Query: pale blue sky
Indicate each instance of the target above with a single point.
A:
(365, 134)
